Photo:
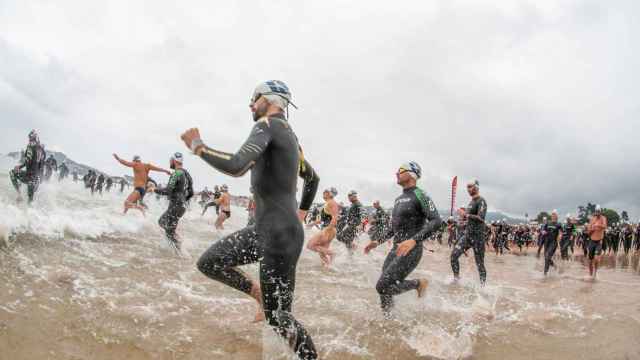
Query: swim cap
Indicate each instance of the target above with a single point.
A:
(275, 91)
(352, 193)
(224, 187)
(136, 157)
(475, 183)
(413, 168)
(598, 208)
(33, 137)
(177, 157)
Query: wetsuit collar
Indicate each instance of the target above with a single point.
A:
(409, 189)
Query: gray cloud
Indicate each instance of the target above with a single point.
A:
(535, 99)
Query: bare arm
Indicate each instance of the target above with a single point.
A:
(333, 210)
(123, 162)
(155, 168)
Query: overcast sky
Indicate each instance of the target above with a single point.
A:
(538, 100)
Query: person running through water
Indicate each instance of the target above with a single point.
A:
(224, 202)
(552, 235)
(179, 190)
(216, 196)
(275, 158)
(474, 236)
(414, 219)
(63, 171)
(109, 183)
(567, 234)
(51, 165)
(29, 170)
(541, 235)
(595, 229)
(379, 223)
(140, 177)
(627, 237)
(122, 183)
(100, 183)
(205, 195)
(321, 242)
(354, 220)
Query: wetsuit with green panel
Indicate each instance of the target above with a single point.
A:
(29, 171)
(414, 217)
(274, 157)
(179, 190)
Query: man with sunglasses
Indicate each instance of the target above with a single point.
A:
(275, 158)
(414, 220)
(474, 234)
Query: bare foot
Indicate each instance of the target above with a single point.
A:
(422, 287)
(259, 316)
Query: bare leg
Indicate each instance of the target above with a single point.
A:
(220, 220)
(256, 293)
(130, 202)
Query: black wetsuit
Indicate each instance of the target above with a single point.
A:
(109, 184)
(474, 237)
(51, 165)
(551, 229)
(216, 196)
(565, 242)
(275, 159)
(100, 183)
(122, 184)
(354, 219)
(325, 218)
(29, 170)
(584, 237)
(380, 224)
(179, 190)
(541, 238)
(627, 235)
(636, 242)
(414, 217)
(63, 171)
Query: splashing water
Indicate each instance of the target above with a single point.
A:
(80, 280)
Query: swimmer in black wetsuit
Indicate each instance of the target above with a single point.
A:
(567, 233)
(474, 235)
(275, 159)
(29, 170)
(354, 219)
(179, 190)
(553, 234)
(414, 219)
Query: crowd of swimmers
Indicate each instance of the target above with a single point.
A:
(274, 236)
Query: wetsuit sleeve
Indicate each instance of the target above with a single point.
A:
(310, 186)
(239, 163)
(482, 209)
(28, 157)
(432, 218)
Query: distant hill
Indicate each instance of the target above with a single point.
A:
(82, 169)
